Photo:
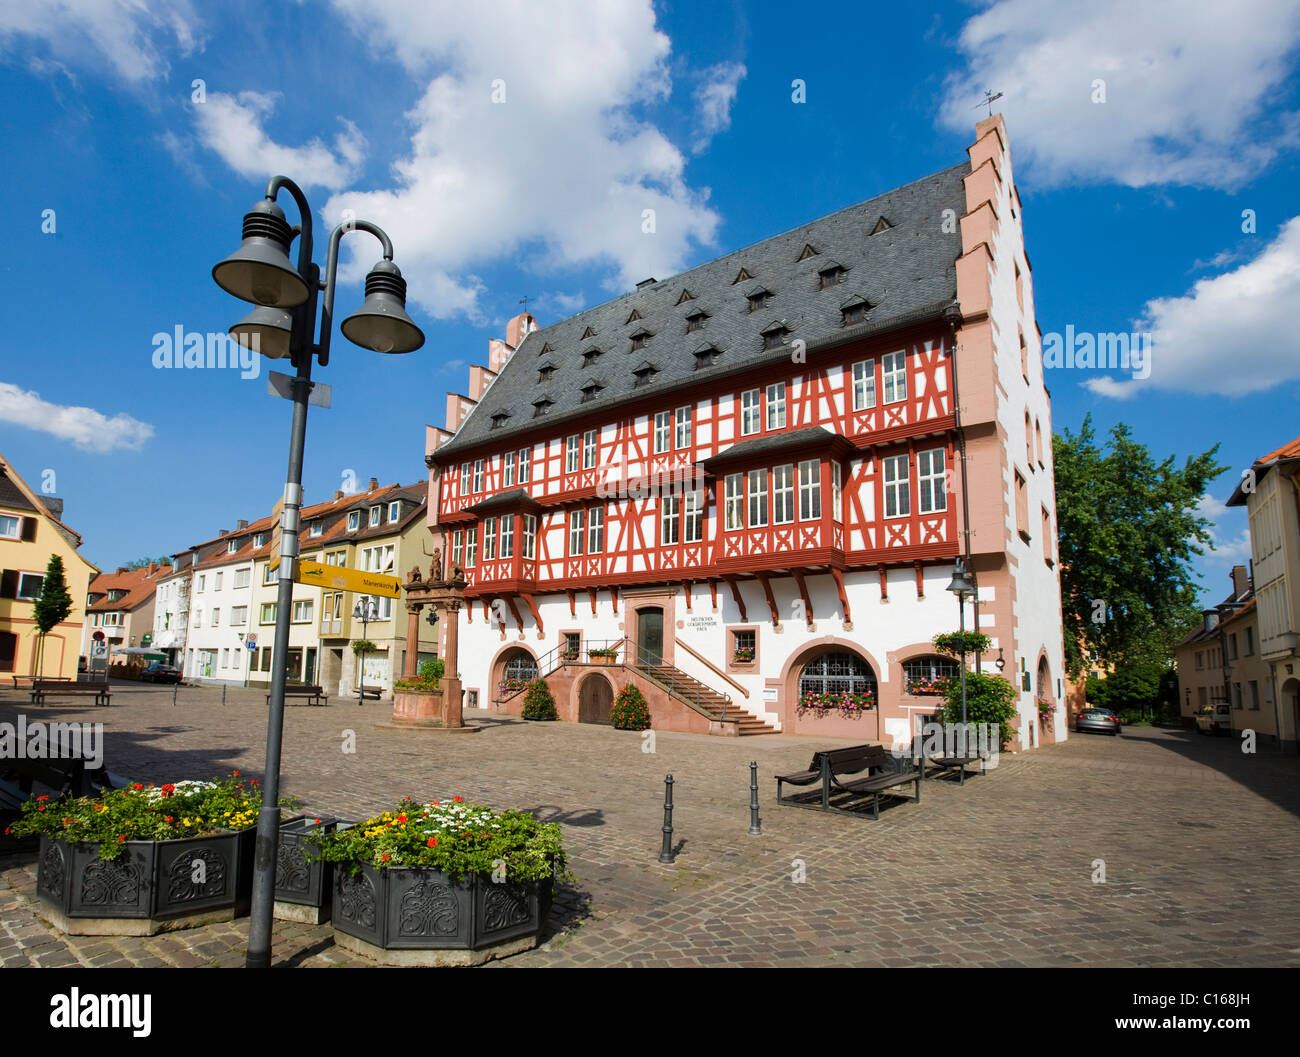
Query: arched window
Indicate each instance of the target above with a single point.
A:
(837, 673)
(925, 675)
(520, 669)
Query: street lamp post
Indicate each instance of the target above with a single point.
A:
(961, 587)
(284, 326)
(364, 611)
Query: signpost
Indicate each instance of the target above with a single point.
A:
(318, 574)
(277, 530)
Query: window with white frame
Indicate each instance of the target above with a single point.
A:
(238, 616)
(577, 523)
(471, 548)
(317, 528)
(457, 546)
(507, 469)
(864, 385)
(302, 611)
(782, 494)
(893, 366)
(11, 527)
(259, 540)
(572, 448)
(478, 475)
(757, 498)
(776, 405)
(682, 423)
(734, 502)
(216, 583)
(267, 616)
(530, 536)
(525, 464)
(29, 586)
(354, 520)
(232, 546)
(202, 580)
(374, 516)
(589, 449)
(596, 530)
(810, 490)
(898, 498)
(466, 478)
(268, 574)
(507, 535)
(669, 513)
(216, 617)
(377, 559)
(694, 517)
(749, 411)
(489, 539)
(394, 511)
(930, 481)
(837, 492)
(241, 578)
(663, 430)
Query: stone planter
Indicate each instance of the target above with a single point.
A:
(404, 916)
(154, 886)
(302, 888)
(597, 658)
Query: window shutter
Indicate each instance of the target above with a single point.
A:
(29, 529)
(9, 583)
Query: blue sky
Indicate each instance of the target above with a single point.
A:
(1135, 194)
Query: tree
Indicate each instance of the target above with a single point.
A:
(1128, 529)
(143, 563)
(52, 607)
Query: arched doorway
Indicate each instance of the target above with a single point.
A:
(514, 669)
(595, 699)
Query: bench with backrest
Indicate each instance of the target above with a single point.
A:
(43, 688)
(831, 768)
(302, 690)
(962, 756)
(370, 691)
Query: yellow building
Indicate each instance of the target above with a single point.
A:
(30, 532)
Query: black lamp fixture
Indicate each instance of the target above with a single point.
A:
(961, 587)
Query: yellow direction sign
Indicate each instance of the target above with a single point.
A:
(276, 533)
(319, 574)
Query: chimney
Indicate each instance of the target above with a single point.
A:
(223, 532)
(242, 523)
(374, 483)
(1240, 581)
(54, 506)
(338, 495)
(121, 570)
(153, 568)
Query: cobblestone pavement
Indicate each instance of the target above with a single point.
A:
(1199, 841)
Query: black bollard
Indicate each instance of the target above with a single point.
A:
(223, 695)
(175, 690)
(755, 825)
(666, 853)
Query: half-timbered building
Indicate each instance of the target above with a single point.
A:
(752, 481)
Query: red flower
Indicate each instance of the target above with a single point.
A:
(401, 818)
(41, 799)
(433, 842)
(253, 781)
(8, 830)
(121, 839)
(67, 821)
(137, 786)
(383, 858)
(458, 799)
(168, 788)
(318, 822)
(235, 772)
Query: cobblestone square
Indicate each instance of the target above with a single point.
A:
(1199, 843)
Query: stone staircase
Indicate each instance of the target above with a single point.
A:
(695, 694)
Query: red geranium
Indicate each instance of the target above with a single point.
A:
(432, 842)
(384, 858)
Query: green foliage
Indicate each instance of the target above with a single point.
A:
(630, 711)
(54, 603)
(538, 702)
(453, 836)
(143, 563)
(165, 812)
(433, 668)
(1128, 530)
(1141, 688)
(429, 676)
(989, 699)
(951, 643)
(363, 646)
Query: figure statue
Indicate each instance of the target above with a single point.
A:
(435, 568)
(415, 574)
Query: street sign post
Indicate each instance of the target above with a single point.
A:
(318, 574)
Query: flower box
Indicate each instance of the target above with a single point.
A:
(845, 704)
(155, 885)
(602, 657)
(302, 886)
(743, 657)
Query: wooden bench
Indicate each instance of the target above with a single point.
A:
(371, 691)
(885, 773)
(302, 690)
(948, 763)
(42, 688)
(63, 774)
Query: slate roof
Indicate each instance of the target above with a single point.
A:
(907, 272)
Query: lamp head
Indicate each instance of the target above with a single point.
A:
(960, 585)
(381, 323)
(265, 330)
(260, 270)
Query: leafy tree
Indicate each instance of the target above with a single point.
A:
(52, 607)
(143, 563)
(630, 711)
(1128, 530)
(538, 702)
(990, 699)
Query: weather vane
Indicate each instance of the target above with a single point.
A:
(989, 100)
(524, 301)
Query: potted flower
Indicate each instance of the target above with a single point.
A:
(630, 711)
(1045, 708)
(847, 704)
(442, 883)
(603, 655)
(512, 685)
(303, 885)
(419, 701)
(926, 687)
(160, 856)
(743, 654)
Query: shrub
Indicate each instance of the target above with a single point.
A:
(630, 712)
(538, 702)
(989, 699)
(951, 643)
(427, 679)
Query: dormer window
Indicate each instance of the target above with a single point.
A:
(588, 333)
(354, 520)
(759, 300)
(641, 339)
(686, 296)
(546, 347)
(807, 252)
(259, 540)
(633, 317)
(232, 546)
(775, 336)
(317, 528)
(832, 276)
(645, 374)
(881, 225)
(855, 312)
(590, 391)
(500, 419)
(394, 511)
(695, 321)
(374, 516)
(590, 356)
(706, 357)
(545, 371)
(542, 406)
(741, 276)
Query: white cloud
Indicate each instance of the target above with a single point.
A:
(1186, 86)
(232, 126)
(713, 99)
(567, 304)
(130, 35)
(1231, 334)
(559, 175)
(1231, 549)
(88, 429)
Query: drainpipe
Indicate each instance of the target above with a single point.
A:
(952, 316)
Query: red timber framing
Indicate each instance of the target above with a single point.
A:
(609, 497)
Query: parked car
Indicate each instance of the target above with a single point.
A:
(1110, 712)
(1096, 721)
(1211, 719)
(160, 673)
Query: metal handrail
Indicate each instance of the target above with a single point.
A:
(676, 682)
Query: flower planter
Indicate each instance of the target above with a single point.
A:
(600, 658)
(302, 888)
(404, 916)
(155, 886)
